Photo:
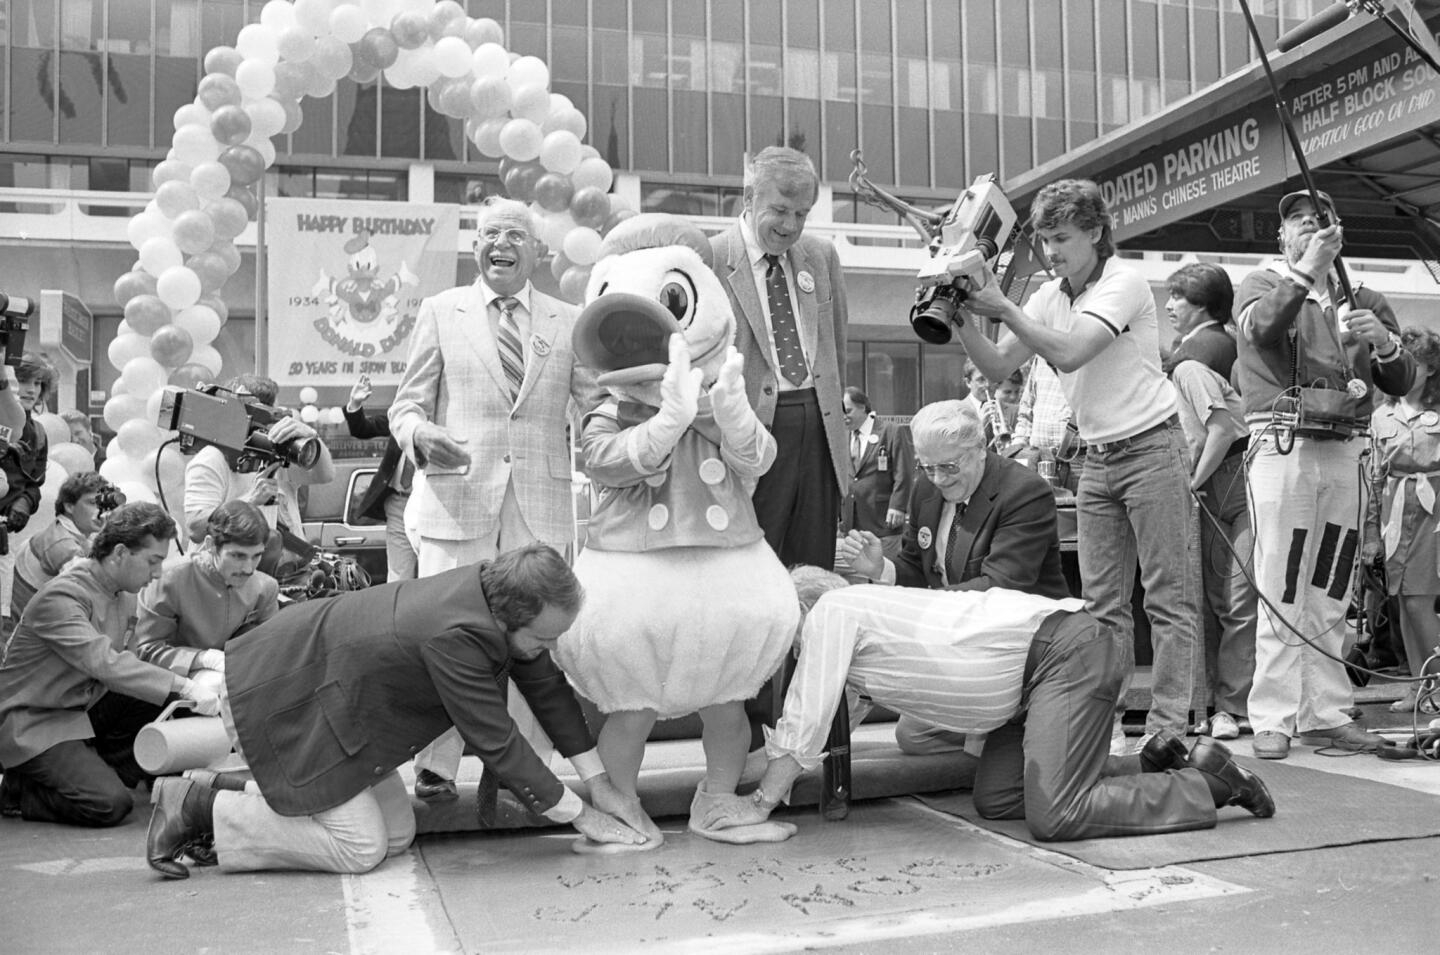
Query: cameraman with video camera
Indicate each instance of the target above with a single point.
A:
(23, 460)
(80, 510)
(1095, 322)
(211, 479)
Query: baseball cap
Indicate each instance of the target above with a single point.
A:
(1290, 198)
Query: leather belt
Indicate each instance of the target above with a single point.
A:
(1120, 444)
(1238, 446)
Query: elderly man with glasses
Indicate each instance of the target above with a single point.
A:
(482, 410)
(977, 521)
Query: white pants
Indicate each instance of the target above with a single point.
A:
(1305, 507)
(442, 757)
(355, 836)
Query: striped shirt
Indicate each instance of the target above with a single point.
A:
(1044, 412)
(952, 658)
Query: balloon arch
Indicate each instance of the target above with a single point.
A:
(206, 188)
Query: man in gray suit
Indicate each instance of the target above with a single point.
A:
(482, 411)
(789, 298)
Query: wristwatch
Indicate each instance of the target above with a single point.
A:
(1393, 343)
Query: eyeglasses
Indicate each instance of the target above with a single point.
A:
(512, 236)
(948, 468)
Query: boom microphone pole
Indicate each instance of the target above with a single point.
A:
(1320, 211)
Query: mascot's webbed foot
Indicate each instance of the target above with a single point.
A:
(768, 831)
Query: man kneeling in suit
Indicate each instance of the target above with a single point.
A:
(977, 521)
(326, 699)
(1039, 676)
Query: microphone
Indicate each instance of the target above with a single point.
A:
(1327, 19)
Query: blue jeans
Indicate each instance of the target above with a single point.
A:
(1226, 542)
(1135, 503)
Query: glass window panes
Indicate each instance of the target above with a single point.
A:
(892, 375)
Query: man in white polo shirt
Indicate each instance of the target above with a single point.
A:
(1095, 322)
(1040, 676)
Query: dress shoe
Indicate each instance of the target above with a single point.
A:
(1406, 703)
(1269, 744)
(432, 787)
(181, 815)
(9, 798)
(1163, 750)
(1247, 791)
(1223, 726)
(1347, 736)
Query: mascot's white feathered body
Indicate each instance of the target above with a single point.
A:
(686, 608)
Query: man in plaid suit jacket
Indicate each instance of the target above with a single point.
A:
(490, 440)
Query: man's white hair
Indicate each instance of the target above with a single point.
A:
(812, 583)
(951, 422)
(779, 164)
(496, 206)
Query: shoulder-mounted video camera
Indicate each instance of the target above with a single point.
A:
(963, 242)
(239, 425)
(15, 314)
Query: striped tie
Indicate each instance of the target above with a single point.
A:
(507, 342)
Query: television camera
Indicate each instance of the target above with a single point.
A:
(964, 241)
(15, 314)
(239, 425)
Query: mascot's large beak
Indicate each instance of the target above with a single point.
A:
(625, 337)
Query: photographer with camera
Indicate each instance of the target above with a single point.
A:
(1096, 323)
(80, 511)
(23, 460)
(72, 696)
(1307, 370)
(211, 478)
(201, 602)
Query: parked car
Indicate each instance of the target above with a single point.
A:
(332, 520)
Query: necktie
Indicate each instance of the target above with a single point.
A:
(951, 540)
(507, 342)
(857, 450)
(782, 322)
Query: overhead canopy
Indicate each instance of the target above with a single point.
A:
(1206, 175)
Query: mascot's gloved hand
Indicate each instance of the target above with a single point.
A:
(727, 395)
(206, 700)
(679, 400)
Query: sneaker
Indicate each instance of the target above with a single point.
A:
(1346, 736)
(432, 787)
(1268, 744)
(1223, 726)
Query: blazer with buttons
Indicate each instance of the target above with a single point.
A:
(331, 695)
(454, 379)
(1008, 535)
(873, 491)
(823, 321)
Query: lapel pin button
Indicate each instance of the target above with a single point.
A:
(806, 281)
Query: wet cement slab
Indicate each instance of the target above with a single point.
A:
(893, 869)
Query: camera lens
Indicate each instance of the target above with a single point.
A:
(932, 315)
(303, 451)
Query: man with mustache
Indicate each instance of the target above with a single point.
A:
(482, 412)
(1095, 322)
(1303, 347)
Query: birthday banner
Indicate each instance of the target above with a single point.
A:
(345, 283)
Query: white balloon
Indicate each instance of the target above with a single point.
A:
(308, 395)
(159, 254)
(452, 56)
(207, 357)
(309, 414)
(295, 44)
(146, 226)
(142, 376)
(124, 348)
(554, 227)
(529, 70)
(255, 77)
(192, 114)
(560, 102)
(267, 117)
(138, 437)
(314, 15)
(201, 321)
(122, 470)
(489, 59)
(178, 287)
(581, 246)
(560, 152)
(380, 12)
(137, 490)
(348, 23)
(195, 145)
(487, 137)
(334, 415)
(256, 41)
(278, 15)
(593, 171)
